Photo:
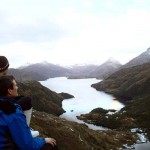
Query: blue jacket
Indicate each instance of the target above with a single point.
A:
(14, 131)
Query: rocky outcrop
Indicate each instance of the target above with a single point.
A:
(74, 136)
(66, 95)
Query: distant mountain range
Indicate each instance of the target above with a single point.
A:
(39, 72)
(43, 71)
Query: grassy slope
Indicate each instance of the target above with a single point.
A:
(74, 136)
(135, 83)
(43, 99)
(130, 82)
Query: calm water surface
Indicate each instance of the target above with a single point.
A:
(86, 99)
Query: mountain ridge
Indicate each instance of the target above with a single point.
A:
(131, 87)
(139, 60)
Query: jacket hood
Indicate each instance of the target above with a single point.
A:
(6, 105)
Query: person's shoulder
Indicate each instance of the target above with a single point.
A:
(7, 106)
(13, 117)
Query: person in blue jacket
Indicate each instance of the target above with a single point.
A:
(14, 132)
(24, 101)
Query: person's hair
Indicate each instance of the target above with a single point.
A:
(6, 82)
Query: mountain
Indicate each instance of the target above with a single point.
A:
(127, 82)
(105, 69)
(43, 71)
(95, 71)
(141, 59)
(131, 86)
(39, 72)
(17, 73)
(81, 71)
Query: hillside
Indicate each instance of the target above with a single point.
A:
(74, 136)
(43, 99)
(139, 60)
(16, 73)
(128, 82)
(132, 87)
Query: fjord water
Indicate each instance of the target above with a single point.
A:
(85, 98)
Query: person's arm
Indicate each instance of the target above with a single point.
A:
(21, 134)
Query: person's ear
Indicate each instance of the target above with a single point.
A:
(9, 92)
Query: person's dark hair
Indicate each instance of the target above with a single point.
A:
(6, 82)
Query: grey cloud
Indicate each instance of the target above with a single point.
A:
(40, 32)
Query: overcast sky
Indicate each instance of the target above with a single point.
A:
(68, 32)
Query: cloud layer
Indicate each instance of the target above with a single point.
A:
(72, 32)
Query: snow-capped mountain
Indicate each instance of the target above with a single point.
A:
(107, 68)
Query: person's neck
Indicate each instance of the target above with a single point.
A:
(4, 73)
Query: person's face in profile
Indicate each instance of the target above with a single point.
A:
(14, 91)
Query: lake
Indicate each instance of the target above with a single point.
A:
(86, 99)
